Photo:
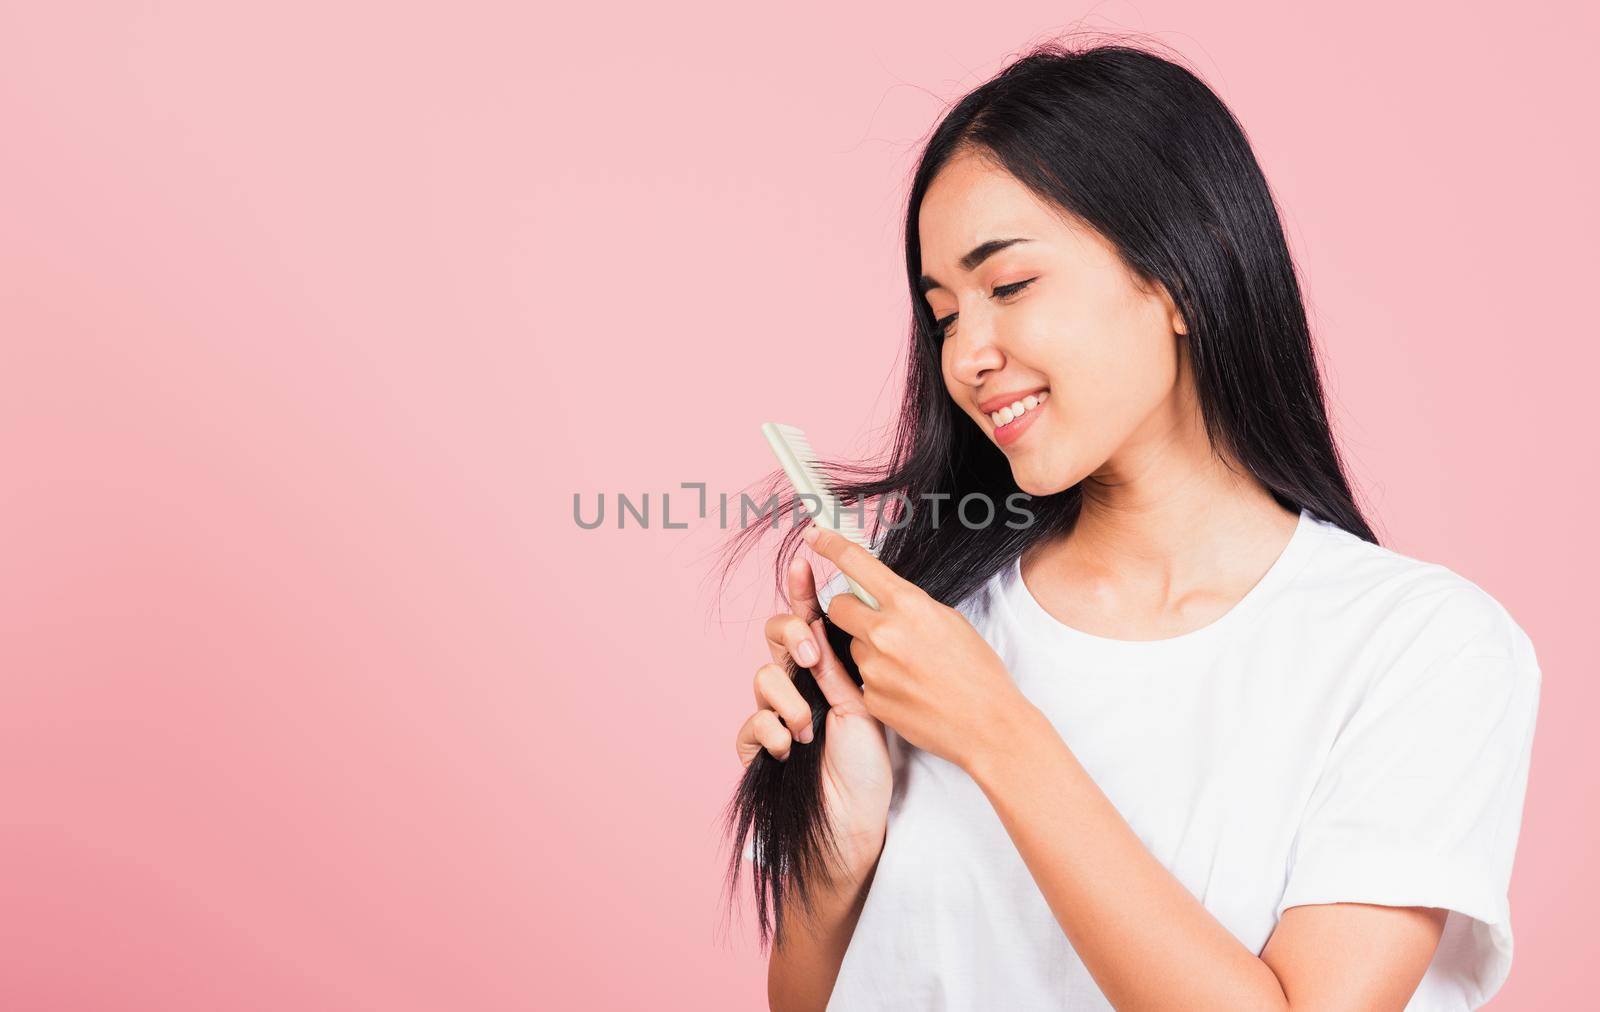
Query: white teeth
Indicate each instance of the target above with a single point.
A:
(1016, 409)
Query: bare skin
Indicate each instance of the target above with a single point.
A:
(1170, 538)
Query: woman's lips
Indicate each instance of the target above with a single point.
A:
(1009, 433)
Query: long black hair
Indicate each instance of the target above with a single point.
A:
(1141, 150)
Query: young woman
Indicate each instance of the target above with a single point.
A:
(1190, 739)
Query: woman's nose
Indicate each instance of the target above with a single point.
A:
(975, 354)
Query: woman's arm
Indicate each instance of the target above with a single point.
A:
(801, 972)
(1146, 940)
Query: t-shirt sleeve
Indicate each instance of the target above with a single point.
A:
(1420, 804)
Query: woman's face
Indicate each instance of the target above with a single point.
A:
(1054, 315)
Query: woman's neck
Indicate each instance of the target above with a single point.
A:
(1161, 553)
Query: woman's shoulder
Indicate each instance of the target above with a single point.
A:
(1429, 604)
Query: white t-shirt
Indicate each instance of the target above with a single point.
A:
(1357, 728)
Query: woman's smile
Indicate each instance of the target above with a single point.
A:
(1013, 418)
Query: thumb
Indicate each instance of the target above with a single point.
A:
(836, 684)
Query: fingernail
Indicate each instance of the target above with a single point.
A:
(807, 654)
(809, 534)
(806, 734)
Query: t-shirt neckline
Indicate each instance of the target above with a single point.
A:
(1037, 621)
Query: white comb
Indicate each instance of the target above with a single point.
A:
(793, 450)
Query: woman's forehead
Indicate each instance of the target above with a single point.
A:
(971, 201)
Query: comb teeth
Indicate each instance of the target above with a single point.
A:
(793, 449)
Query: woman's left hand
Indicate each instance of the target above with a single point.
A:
(925, 671)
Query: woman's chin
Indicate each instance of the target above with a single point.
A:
(1040, 485)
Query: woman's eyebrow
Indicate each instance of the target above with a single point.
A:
(969, 263)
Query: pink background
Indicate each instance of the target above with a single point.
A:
(314, 317)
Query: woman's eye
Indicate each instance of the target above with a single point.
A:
(941, 326)
(1006, 290)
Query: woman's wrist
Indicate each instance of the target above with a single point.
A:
(805, 965)
(859, 853)
(1012, 721)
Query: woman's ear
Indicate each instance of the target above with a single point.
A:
(1174, 317)
(1152, 287)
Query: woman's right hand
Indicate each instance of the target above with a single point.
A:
(856, 773)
